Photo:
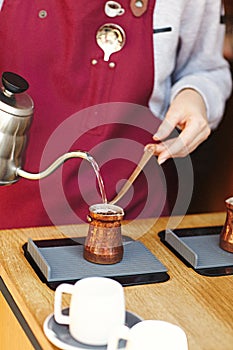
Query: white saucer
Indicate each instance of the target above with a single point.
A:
(59, 335)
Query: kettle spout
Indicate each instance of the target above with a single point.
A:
(37, 176)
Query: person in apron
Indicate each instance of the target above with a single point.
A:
(109, 104)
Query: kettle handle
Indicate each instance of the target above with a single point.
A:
(14, 83)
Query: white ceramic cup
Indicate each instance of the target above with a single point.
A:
(150, 335)
(97, 307)
(113, 9)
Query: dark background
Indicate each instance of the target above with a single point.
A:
(213, 167)
(213, 159)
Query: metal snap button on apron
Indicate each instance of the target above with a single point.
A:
(42, 14)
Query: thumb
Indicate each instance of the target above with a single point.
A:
(164, 130)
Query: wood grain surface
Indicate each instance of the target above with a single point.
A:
(201, 305)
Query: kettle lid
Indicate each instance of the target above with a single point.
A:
(13, 98)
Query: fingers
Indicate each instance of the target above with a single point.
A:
(165, 128)
(167, 149)
(175, 117)
(187, 112)
(195, 131)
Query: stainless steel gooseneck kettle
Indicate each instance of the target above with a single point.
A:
(16, 112)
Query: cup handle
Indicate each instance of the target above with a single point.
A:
(62, 288)
(120, 333)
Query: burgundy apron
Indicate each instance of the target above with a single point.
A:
(52, 44)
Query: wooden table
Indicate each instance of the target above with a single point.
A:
(201, 305)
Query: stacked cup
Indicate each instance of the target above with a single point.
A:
(97, 317)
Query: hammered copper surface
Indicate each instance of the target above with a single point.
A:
(226, 236)
(103, 244)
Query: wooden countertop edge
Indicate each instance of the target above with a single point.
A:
(20, 302)
(204, 219)
(26, 313)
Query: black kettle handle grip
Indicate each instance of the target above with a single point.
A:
(14, 83)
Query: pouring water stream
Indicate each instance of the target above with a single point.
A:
(85, 155)
(143, 161)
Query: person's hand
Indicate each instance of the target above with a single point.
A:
(187, 112)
